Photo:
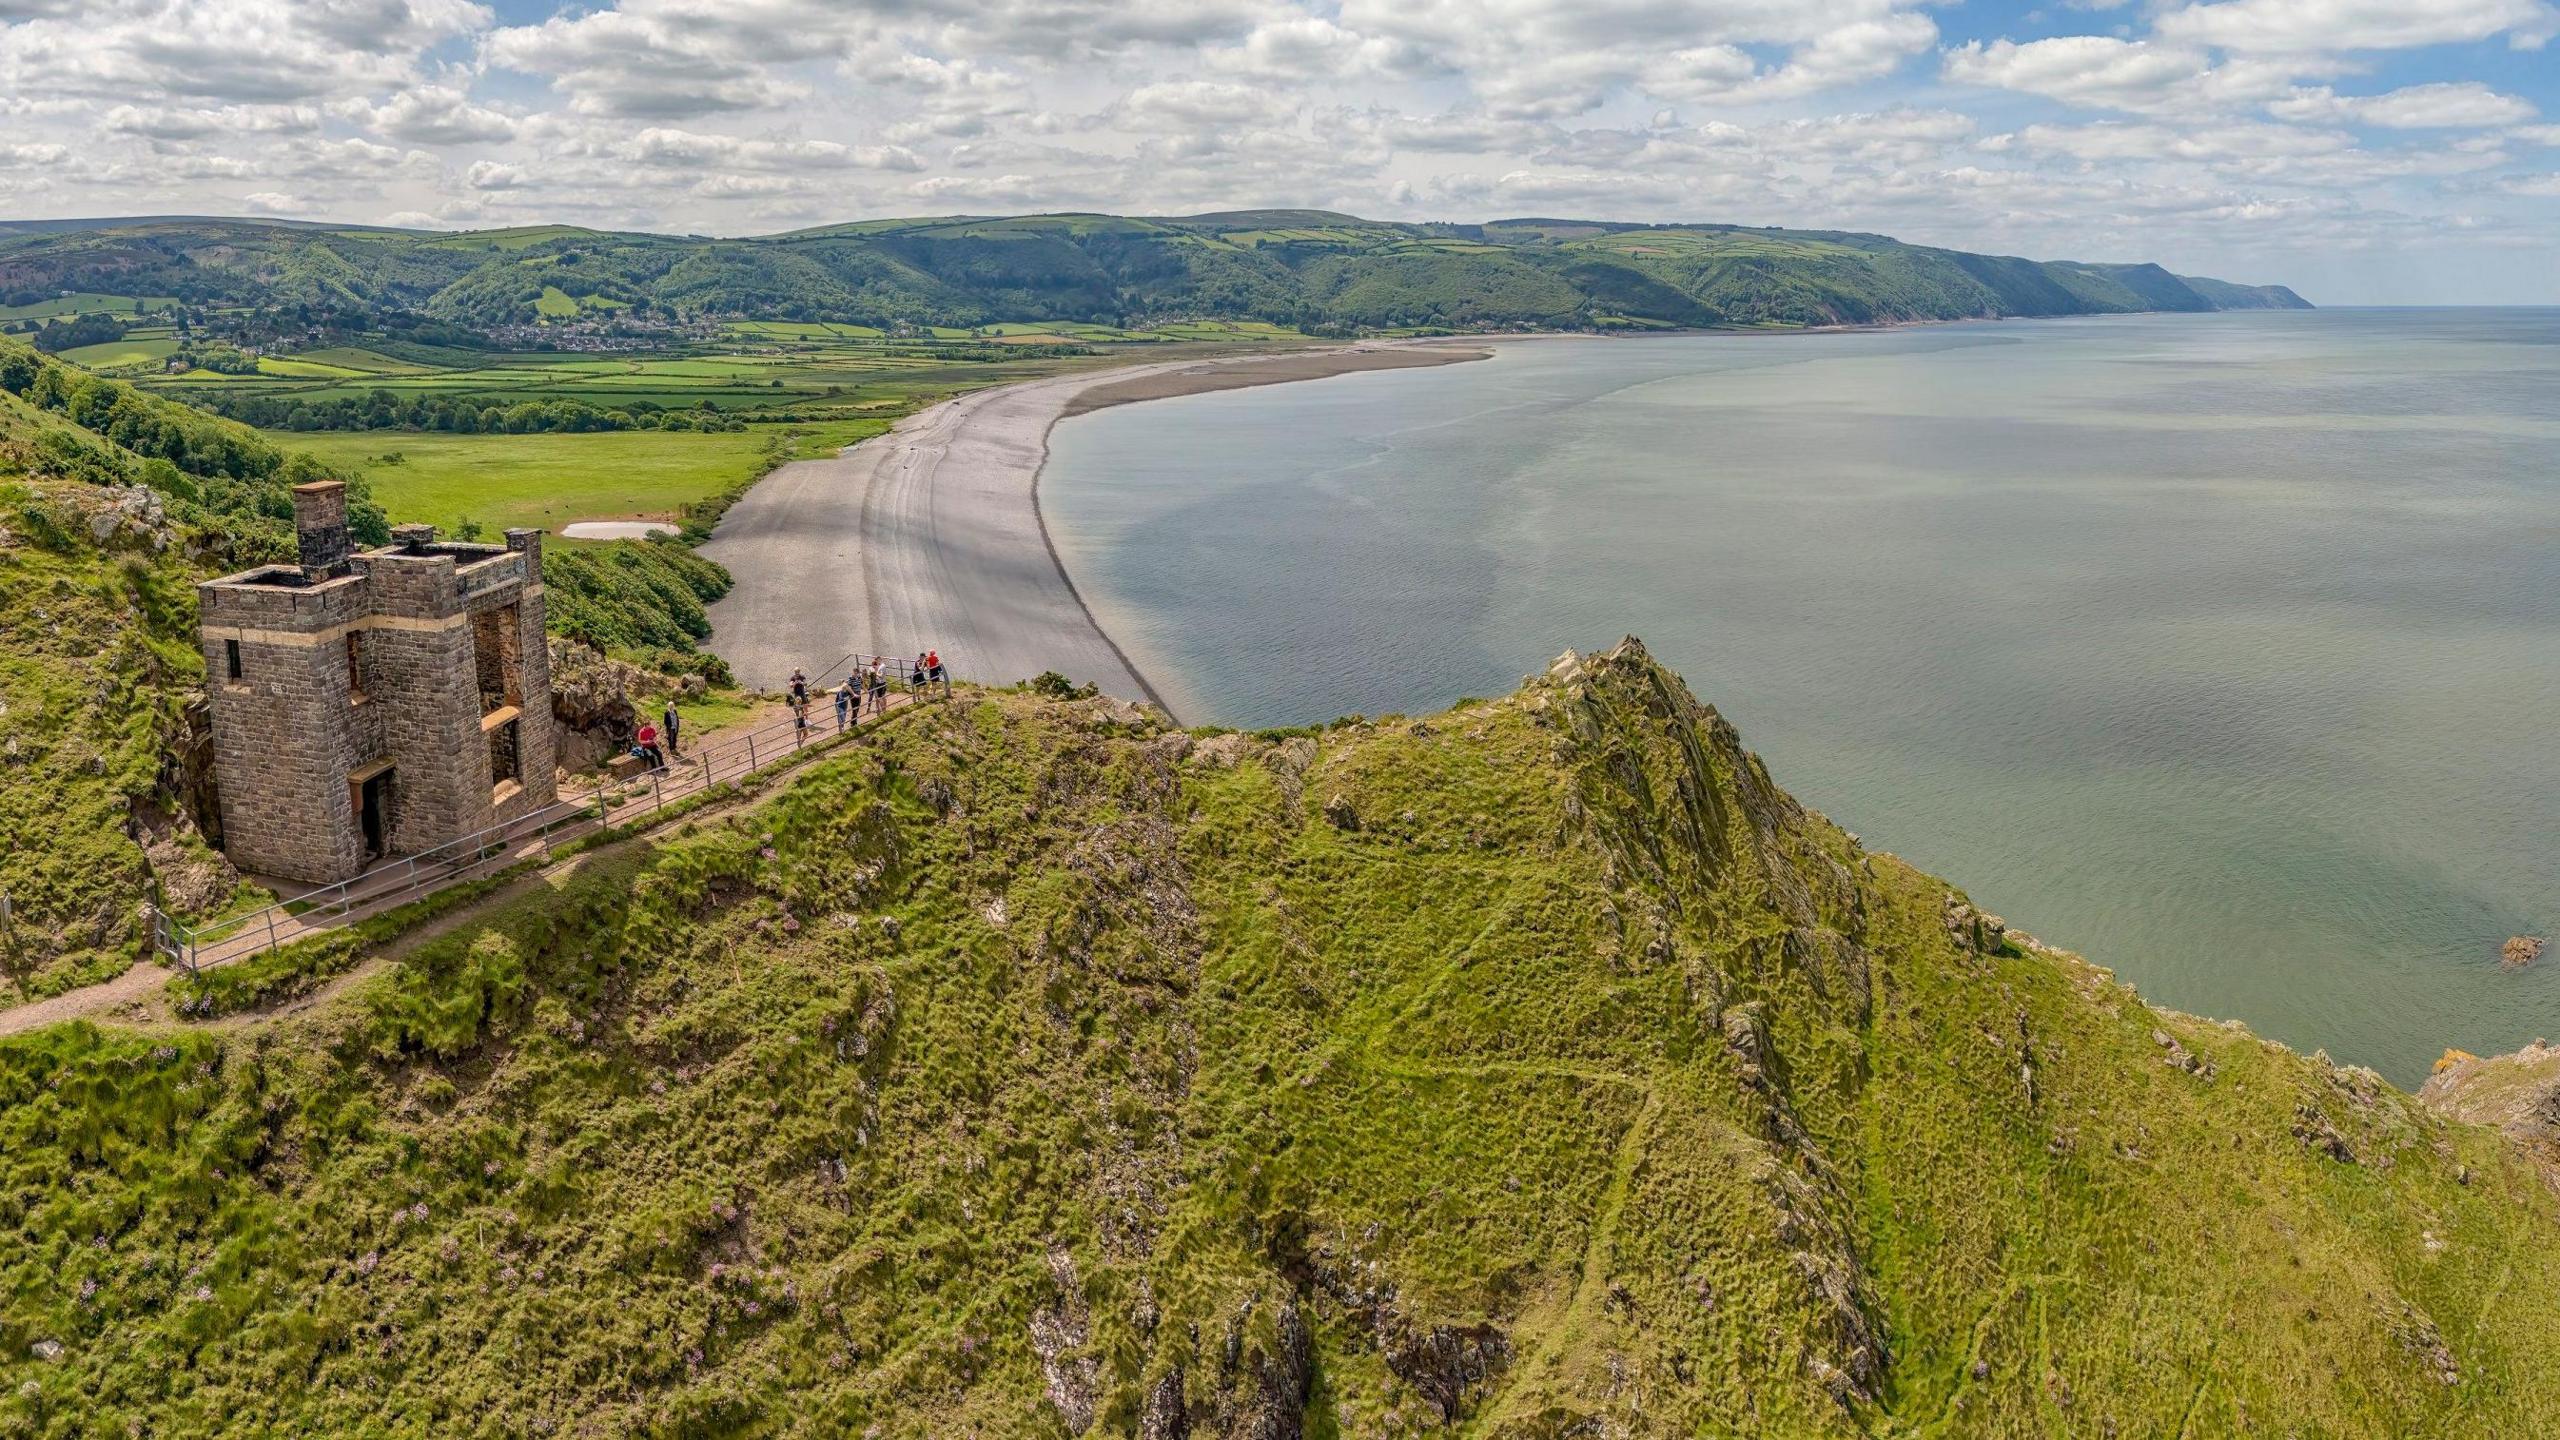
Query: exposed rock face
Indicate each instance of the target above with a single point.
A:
(2180, 1058)
(2518, 1093)
(1223, 752)
(1447, 1363)
(1060, 1331)
(591, 699)
(1163, 1416)
(191, 881)
(1262, 1384)
(130, 515)
(2520, 951)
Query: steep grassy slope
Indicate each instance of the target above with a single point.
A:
(1300, 267)
(1538, 1069)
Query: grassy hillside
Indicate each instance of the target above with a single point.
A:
(111, 506)
(1290, 267)
(1538, 1069)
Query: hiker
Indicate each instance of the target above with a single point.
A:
(645, 744)
(879, 685)
(799, 686)
(845, 701)
(933, 665)
(915, 677)
(667, 727)
(800, 717)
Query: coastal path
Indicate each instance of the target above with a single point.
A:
(766, 742)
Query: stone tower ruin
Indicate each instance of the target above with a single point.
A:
(375, 703)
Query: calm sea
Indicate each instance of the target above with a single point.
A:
(2224, 649)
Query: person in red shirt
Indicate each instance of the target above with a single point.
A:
(933, 665)
(646, 742)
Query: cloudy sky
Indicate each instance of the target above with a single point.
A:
(2361, 150)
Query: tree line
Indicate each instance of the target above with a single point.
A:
(457, 414)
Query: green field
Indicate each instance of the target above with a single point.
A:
(369, 362)
(83, 303)
(559, 304)
(296, 368)
(551, 480)
(117, 353)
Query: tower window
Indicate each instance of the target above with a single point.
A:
(231, 656)
(355, 666)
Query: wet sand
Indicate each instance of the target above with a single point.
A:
(1164, 384)
(930, 536)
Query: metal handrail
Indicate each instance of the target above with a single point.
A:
(396, 879)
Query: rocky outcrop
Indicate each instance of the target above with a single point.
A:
(591, 698)
(1060, 1330)
(130, 516)
(2517, 1093)
(1163, 1416)
(1702, 846)
(1262, 1382)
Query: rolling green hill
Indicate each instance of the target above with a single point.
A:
(1298, 267)
(1535, 1070)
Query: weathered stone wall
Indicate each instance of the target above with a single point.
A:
(282, 740)
(430, 707)
(537, 735)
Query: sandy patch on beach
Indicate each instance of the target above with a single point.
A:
(1211, 375)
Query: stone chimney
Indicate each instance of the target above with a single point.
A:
(413, 535)
(320, 529)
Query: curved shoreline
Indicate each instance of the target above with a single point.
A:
(932, 534)
(1261, 370)
(1058, 563)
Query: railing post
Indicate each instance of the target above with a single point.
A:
(271, 923)
(751, 750)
